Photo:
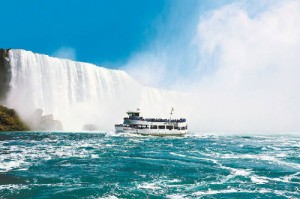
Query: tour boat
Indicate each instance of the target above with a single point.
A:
(136, 124)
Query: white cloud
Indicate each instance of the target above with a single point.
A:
(65, 53)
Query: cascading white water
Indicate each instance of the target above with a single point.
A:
(79, 93)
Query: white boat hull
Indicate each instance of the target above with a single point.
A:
(155, 132)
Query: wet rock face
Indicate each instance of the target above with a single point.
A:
(50, 124)
(40, 122)
(90, 127)
(5, 74)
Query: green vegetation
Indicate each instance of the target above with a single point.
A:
(10, 121)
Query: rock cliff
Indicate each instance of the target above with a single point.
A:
(10, 121)
(5, 75)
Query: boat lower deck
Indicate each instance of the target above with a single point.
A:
(153, 132)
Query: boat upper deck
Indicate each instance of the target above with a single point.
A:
(181, 120)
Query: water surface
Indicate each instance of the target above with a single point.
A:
(91, 165)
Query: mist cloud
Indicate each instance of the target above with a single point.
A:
(65, 53)
(242, 69)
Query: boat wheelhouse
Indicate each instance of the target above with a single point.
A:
(136, 124)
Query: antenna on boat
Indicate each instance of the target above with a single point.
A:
(171, 113)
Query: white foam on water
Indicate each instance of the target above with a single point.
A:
(234, 173)
(213, 192)
(94, 156)
(232, 190)
(289, 178)
(13, 187)
(23, 156)
(7, 166)
(179, 155)
(240, 172)
(264, 157)
(281, 155)
(258, 180)
(174, 180)
(113, 134)
(14, 159)
(152, 186)
(202, 135)
(109, 197)
(176, 196)
(161, 185)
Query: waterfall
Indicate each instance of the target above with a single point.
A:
(79, 93)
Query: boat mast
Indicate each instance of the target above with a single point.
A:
(171, 113)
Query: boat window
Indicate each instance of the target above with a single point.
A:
(170, 127)
(161, 127)
(134, 126)
(143, 127)
(183, 128)
(153, 127)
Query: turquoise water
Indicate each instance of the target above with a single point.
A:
(90, 165)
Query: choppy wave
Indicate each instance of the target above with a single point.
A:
(109, 165)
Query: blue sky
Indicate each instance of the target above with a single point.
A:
(240, 59)
(105, 32)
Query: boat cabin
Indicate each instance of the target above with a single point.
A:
(133, 113)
